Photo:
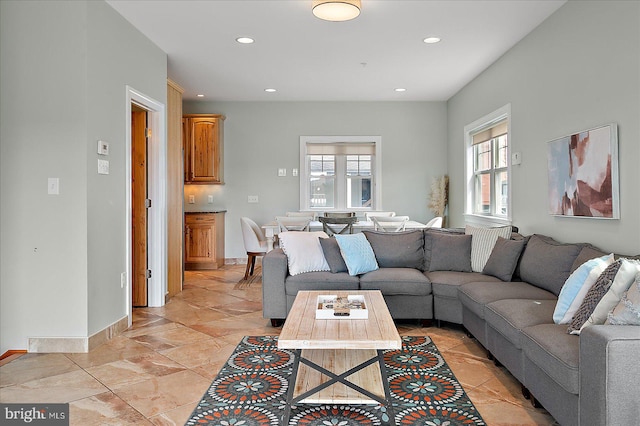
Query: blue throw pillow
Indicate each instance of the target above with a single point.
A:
(579, 278)
(357, 253)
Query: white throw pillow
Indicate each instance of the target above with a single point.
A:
(303, 250)
(621, 283)
(482, 242)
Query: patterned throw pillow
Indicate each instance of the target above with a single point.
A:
(591, 300)
(357, 253)
(482, 242)
(628, 310)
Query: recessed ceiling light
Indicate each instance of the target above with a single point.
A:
(270, 90)
(431, 40)
(200, 95)
(245, 40)
(400, 89)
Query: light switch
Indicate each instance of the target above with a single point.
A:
(210, 199)
(252, 199)
(103, 167)
(53, 186)
(282, 172)
(192, 199)
(294, 172)
(516, 158)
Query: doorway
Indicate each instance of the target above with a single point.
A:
(139, 206)
(156, 182)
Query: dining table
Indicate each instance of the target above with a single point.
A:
(271, 229)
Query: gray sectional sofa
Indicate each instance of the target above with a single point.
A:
(591, 379)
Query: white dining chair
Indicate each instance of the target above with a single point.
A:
(436, 222)
(293, 223)
(390, 224)
(369, 215)
(255, 243)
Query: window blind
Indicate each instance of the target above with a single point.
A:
(341, 148)
(492, 132)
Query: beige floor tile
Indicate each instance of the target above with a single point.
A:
(162, 394)
(175, 417)
(35, 366)
(470, 372)
(169, 339)
(104, 409)
(116, 349)
(61, 388)
(194, 354)
(133, 370)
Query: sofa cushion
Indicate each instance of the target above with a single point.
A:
(474, 296)
(446, 283)
(320, 281)
(555, 352)
(547, 263)
(504, 258)
(627, 312)
(588, 252)
(509, 316)
(482, 243)
(395, 281)
(398, 249)
(449, 252)
(357, 253)
(332, 254)
(428, 241)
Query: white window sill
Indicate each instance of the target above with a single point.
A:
(487, 221)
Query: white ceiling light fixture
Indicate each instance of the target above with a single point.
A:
(336, 10)
(200, 95)
(245, 40)
(431, 40)
(269, 90)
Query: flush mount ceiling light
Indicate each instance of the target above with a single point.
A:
(245, 40)
(269, 90)
(400, 89)
(431, 40)
(336, 10)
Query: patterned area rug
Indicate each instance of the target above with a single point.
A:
(251, 390)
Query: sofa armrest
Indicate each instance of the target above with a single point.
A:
(274, 272)
(609, 375)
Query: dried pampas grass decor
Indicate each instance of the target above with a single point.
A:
(439, 196)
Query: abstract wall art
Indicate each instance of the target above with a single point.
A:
(583, 174)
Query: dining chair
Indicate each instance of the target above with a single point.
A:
(338, 225)
(255, 243)
(293, 223)
(436, 222)
(369, 215)
(303, 214)
(339, 214)
(390, 224)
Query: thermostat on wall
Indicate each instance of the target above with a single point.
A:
(103, 147)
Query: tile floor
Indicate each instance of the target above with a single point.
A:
(156, 372)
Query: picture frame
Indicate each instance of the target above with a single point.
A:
(583, 174)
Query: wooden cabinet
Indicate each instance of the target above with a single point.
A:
(204, 240)
(203, 148)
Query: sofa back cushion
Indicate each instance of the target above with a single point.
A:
(398, 249)
(546, 263)
(448, 251)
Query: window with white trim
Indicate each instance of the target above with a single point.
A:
(339, 173)
(488, 198)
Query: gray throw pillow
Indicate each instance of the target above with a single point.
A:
(397, 249)
(546, 263)
(332, 254)
(587, 253)
(450, 252)
(504, 258)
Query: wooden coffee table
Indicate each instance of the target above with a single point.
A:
(338, 361)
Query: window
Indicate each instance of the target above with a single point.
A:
(339, 173)
(487, 164)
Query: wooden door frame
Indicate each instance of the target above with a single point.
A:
(156, 190)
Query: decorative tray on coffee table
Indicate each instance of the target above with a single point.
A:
(332, 306)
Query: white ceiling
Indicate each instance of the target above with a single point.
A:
(307, 59)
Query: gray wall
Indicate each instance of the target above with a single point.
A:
(579, 69)
(64, 70)
(261, 137)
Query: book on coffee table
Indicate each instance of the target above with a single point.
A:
(333, 306)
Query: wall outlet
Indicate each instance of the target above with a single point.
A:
(210, 199)
(252, 199)
(294, 172)
(192, 199)
(123, 279)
